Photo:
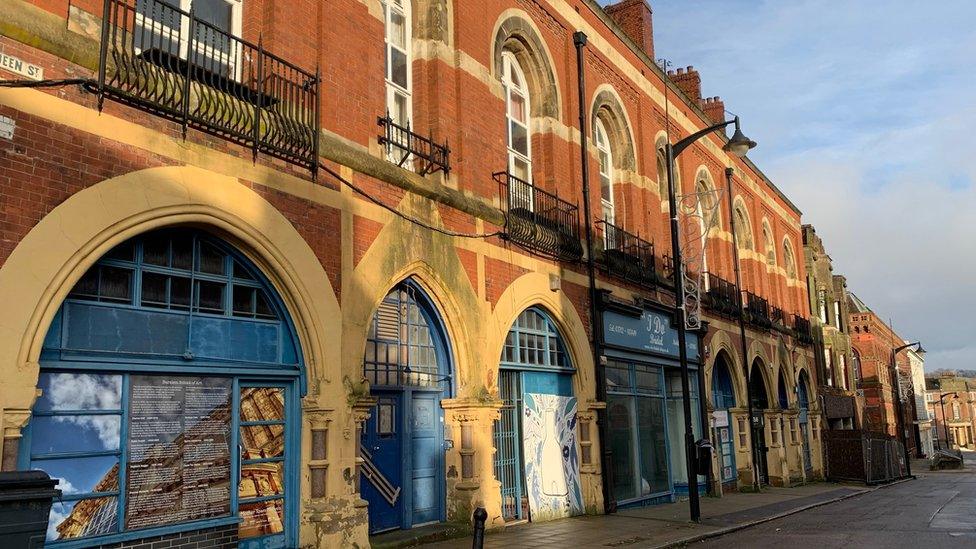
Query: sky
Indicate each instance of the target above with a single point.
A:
(864, 112)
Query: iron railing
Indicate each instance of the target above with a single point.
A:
(538, 220)
(627, 256)
(780, 318)
(757, 311)
(170, 63)
(802, 330)
(404, 146)
(722, 297)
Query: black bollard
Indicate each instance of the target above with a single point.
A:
(480, 516)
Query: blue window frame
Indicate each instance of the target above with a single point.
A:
(533, 345)
(723, 395)
(179, 307)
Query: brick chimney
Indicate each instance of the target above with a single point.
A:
(714, 108)
(634, 17)
(688, 81)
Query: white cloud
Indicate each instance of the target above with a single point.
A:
(863, 113)
(88, 392)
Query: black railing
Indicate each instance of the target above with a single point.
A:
(404, 146)
(778, 316)
(802, 330)
(168, 62)
(757, 311)
(538, 220)
(627, 256)
(722, 297)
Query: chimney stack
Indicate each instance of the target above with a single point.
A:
(688, 81)
(634, 17)
(714, 108)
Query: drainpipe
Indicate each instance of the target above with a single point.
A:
(742, 332)
(596, 323)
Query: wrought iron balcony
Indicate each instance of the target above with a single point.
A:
(802, 330)
(627, 256)
(722, 297)
(406, 147)
(757, 311)
(166, 61)
(538, 220)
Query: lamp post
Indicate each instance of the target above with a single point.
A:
(945, 423)
(898, 404)
(738, 145)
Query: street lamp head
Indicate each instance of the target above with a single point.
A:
(739, 144)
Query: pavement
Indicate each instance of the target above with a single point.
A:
(937, 509)
(663, 525)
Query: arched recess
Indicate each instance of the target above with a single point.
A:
(789, 257)
(515, 32)
(782, 391)
(660, 140)
(608, 108)
(723, 384)
(769, 243)
(47, 263)
(433, 20)
(50, 260)
(721, 344)
(743, 224)
(760, 385)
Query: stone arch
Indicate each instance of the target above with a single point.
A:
(789, 259)
(46, 264)
(803, 369)
(515, 32)
(608, 108)
(738, 384)
(720, 342)
(743, 223)
(532, 289)
(400, 251)
(758, 366)
(769, 241)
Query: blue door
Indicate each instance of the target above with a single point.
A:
(382, 479)
(408, 367)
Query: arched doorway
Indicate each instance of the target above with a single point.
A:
(407, 363)
(536, 459)
(723, 396)
(760, 402)
(803, 398)
(170, 380)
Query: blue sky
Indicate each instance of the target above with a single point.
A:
(863, 111)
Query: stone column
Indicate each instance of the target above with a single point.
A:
(469, 459)
(13, 421)
(319, 420)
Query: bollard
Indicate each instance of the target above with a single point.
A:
(480, 516)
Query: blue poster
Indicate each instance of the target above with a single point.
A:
(650, 332)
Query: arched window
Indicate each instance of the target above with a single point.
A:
(769, 243)
(606, 170)
(662, 179)
(723, 393)
(843, 371)
(789, 258)
(743, 227)
(783, 395)
(535, 342)
(856, 360)
(405, 344)
(399, 80)
(705, 209)
(517, 109)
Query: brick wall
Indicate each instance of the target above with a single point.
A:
(221, 537)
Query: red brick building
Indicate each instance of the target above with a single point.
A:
(374, 212)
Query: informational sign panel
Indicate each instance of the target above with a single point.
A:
(650, 332)
(178, 466)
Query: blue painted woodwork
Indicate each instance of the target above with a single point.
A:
(651, 332)
(803, 396)
(171, 302)
(723, 395)
(407, 362)
(533, 360)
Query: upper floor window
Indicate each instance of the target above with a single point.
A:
(822, 305)
(606, 170)
(662, 180)
(517, 110)
(856, 363)
(768, 243)
(789, 258)
(955, 410)
(843, 371)
(396, 15)
(163, 30)
(837, 317)
(743, 229)
(829, 367)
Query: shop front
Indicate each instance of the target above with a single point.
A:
(644, 405)
(169, 386)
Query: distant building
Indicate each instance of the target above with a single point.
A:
(950, 401)
(924, 438)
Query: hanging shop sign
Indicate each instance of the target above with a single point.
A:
(650, 332)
